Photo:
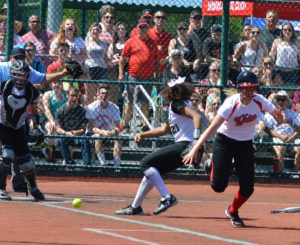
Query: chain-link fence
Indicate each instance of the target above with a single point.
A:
(129, 50)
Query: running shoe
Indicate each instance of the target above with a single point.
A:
(165, 203)
(130, 211)
(235, 218)
(4, 195)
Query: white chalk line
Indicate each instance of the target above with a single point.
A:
(159, 226)
(100, 231)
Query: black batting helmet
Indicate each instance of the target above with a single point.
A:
(247, 79)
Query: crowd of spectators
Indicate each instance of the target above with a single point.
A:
(148, 54)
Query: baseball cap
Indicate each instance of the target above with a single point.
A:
(142, 24)
(147, 13)
(195, 13)
(182, 25)
(17, 51)
(282, 93)
(216, 28)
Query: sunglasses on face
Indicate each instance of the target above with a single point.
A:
(30, 50)
(143, 27)
(255, 32)
(197, 18)
(216, 103)
(160, 17)
(215, 70)
(34, 21)
(182, 29)
(109, 17)
(268, 63)
(288, 29)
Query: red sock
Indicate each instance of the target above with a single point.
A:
(238, 201)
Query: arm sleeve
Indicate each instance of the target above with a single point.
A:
(36, 77)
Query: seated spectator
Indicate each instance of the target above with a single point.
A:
(212, 106)
(63, 52)
(270, 77)
(34, 62)
(249, 53)
(176, 67)
(189, 47)
(69, 33)
(52, 100)
(2, 47)
(285, 51)
(104, 120)
(195, 102)
(287, 132)
(146, 17)
(120, 36)
(40, 38)
(96, 61)
(296, 101)
(212, 45)
(71, 121)
(257, 70)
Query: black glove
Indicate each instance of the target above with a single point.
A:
(36, 136)
(74, 68)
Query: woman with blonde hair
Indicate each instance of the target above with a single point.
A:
(68, 32)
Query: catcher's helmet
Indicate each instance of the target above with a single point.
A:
(19, 72)
(247, 79)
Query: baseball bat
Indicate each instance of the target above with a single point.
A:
(285, 210)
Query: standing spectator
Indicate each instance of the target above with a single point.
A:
(212, 45)
(270, 33)
(69, 33)
(120, 37)
(104, 120)
(286, 132)
(143, 61)
(286, 51)
(31, 60)
(189, 47)
(52, 100)
(162, 38)
(246, 32)
(146, 17)
(71, 121)
(257, 70)
(40, 38)
(250, 52)
(96, 61)
(2, 47)
(176, 68)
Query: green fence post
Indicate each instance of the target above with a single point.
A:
(84, 23)
(10, 27)
(43, 9)
(224, 46)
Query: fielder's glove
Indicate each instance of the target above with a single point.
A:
(74, 68)
(36, 137)
(197, 161)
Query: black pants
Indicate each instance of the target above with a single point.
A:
(224, 151)
(165, 159)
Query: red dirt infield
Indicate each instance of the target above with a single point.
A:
(198, 218)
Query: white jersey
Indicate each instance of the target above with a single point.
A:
(104, 117)
(182, 127)
(240, 120)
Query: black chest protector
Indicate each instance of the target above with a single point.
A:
(14, 111)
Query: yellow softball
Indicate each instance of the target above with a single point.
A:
(77, 203)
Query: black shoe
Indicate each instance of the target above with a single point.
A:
(130, 211)
(235, 219)
(165, 203)
(38, 196)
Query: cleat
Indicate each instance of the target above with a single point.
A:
(130, 211)
(235, 219)
(4, 195)
(37, 195)
(165, 203)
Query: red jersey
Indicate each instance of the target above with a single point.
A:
(162, 40)
(54, 67)
(142, 55)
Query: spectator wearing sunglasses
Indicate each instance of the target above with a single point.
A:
(40, 38)
(285, 51)
(250, 52)
(30, 59)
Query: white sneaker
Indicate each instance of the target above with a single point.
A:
(4, 195)
(101, 159)
(117, 161)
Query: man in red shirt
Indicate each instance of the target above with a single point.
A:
(143, 61)
(162, 37)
